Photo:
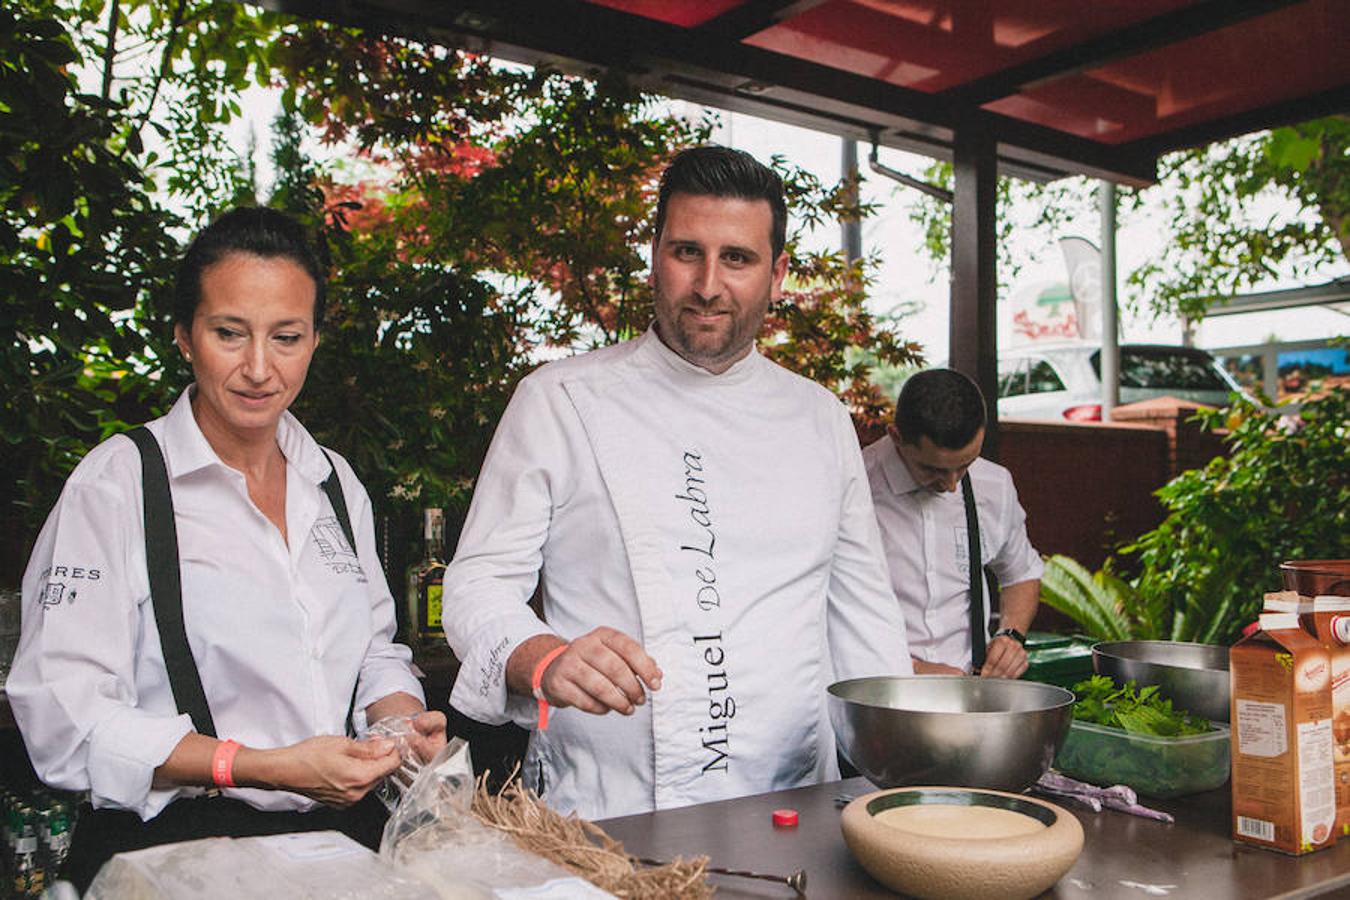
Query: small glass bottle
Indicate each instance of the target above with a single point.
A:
(424, 584)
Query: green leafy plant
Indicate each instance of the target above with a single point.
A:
(1099, 602)
(1125, 735)
(1138, 710)
(1282, 492)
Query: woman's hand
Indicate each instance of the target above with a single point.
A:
(334, 770)
(429, 738)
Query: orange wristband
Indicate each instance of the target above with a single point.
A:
(537, 682)
(222, 763)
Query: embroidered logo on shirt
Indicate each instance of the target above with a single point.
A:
(333, 548)
(54, 593)
(961, 548)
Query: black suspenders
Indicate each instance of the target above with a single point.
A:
(979, 633)
(166, 587)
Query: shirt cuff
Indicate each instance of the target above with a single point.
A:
(124, 751)
(480, 687)
(381, 680)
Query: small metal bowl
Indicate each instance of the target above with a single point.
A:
(950, 730)
(1193, 676)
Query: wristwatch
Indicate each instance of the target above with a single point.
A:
(1012, 633)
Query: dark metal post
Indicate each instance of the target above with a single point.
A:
(974, 323)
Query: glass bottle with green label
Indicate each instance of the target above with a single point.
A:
(424, 583)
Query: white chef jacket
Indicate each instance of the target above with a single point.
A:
(278, 632)
(724, 522)
(924, 534)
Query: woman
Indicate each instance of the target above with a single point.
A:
(275, 627)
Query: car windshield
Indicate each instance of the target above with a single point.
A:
(1165, 367)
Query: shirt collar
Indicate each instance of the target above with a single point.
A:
(655, 349)
(186, 449)
(897, 473)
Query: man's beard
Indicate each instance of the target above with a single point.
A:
(702, 347)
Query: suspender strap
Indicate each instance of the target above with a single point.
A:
(333, 489)
(979, 636)
(166, 588)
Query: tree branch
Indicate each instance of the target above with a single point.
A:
(110, 49)
(165, 63)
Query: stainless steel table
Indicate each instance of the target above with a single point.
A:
(1123, 856)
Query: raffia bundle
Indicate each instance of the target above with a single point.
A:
(583, 848)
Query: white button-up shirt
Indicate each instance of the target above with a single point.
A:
(721, 520)
(924, 534)
(278, 631)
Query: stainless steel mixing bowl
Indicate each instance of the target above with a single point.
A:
(949, 730)
(1193, 676)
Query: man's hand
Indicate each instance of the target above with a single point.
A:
(923, 667)
(602, 671)
(1006, 659)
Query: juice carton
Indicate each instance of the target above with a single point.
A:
(1283, 782)
(1331, 615)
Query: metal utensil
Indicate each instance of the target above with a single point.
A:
(796, 881)
(1193, 676)
(949, 730)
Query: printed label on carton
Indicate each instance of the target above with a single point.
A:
(1317, 795)
(1261, 728)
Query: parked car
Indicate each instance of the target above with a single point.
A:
(1064, 382)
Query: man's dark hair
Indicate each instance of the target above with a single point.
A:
(942, 405)
(253, 230)
(713, 171)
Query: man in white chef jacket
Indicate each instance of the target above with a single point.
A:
(916, 474)
(699, 522)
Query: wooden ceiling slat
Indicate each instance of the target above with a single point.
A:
(1129, 40)
(754, 16)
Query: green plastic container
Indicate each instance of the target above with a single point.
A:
(1153, 766)
(1058, 659)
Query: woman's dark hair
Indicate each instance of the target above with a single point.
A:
(942, 405)
(254, 230)
(714, 171)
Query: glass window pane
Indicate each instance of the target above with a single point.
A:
(1043, 378)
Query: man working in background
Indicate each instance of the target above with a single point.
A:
(699, 523)
(929, 486)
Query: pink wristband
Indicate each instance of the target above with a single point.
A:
(537, 683)
(222, 763)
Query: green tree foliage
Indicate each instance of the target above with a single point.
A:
(1219, 201)
(1238, 212)
(81, 241)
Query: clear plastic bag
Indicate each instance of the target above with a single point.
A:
(433, 835)
(399, 730)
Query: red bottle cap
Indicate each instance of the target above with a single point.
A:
(785, 818)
